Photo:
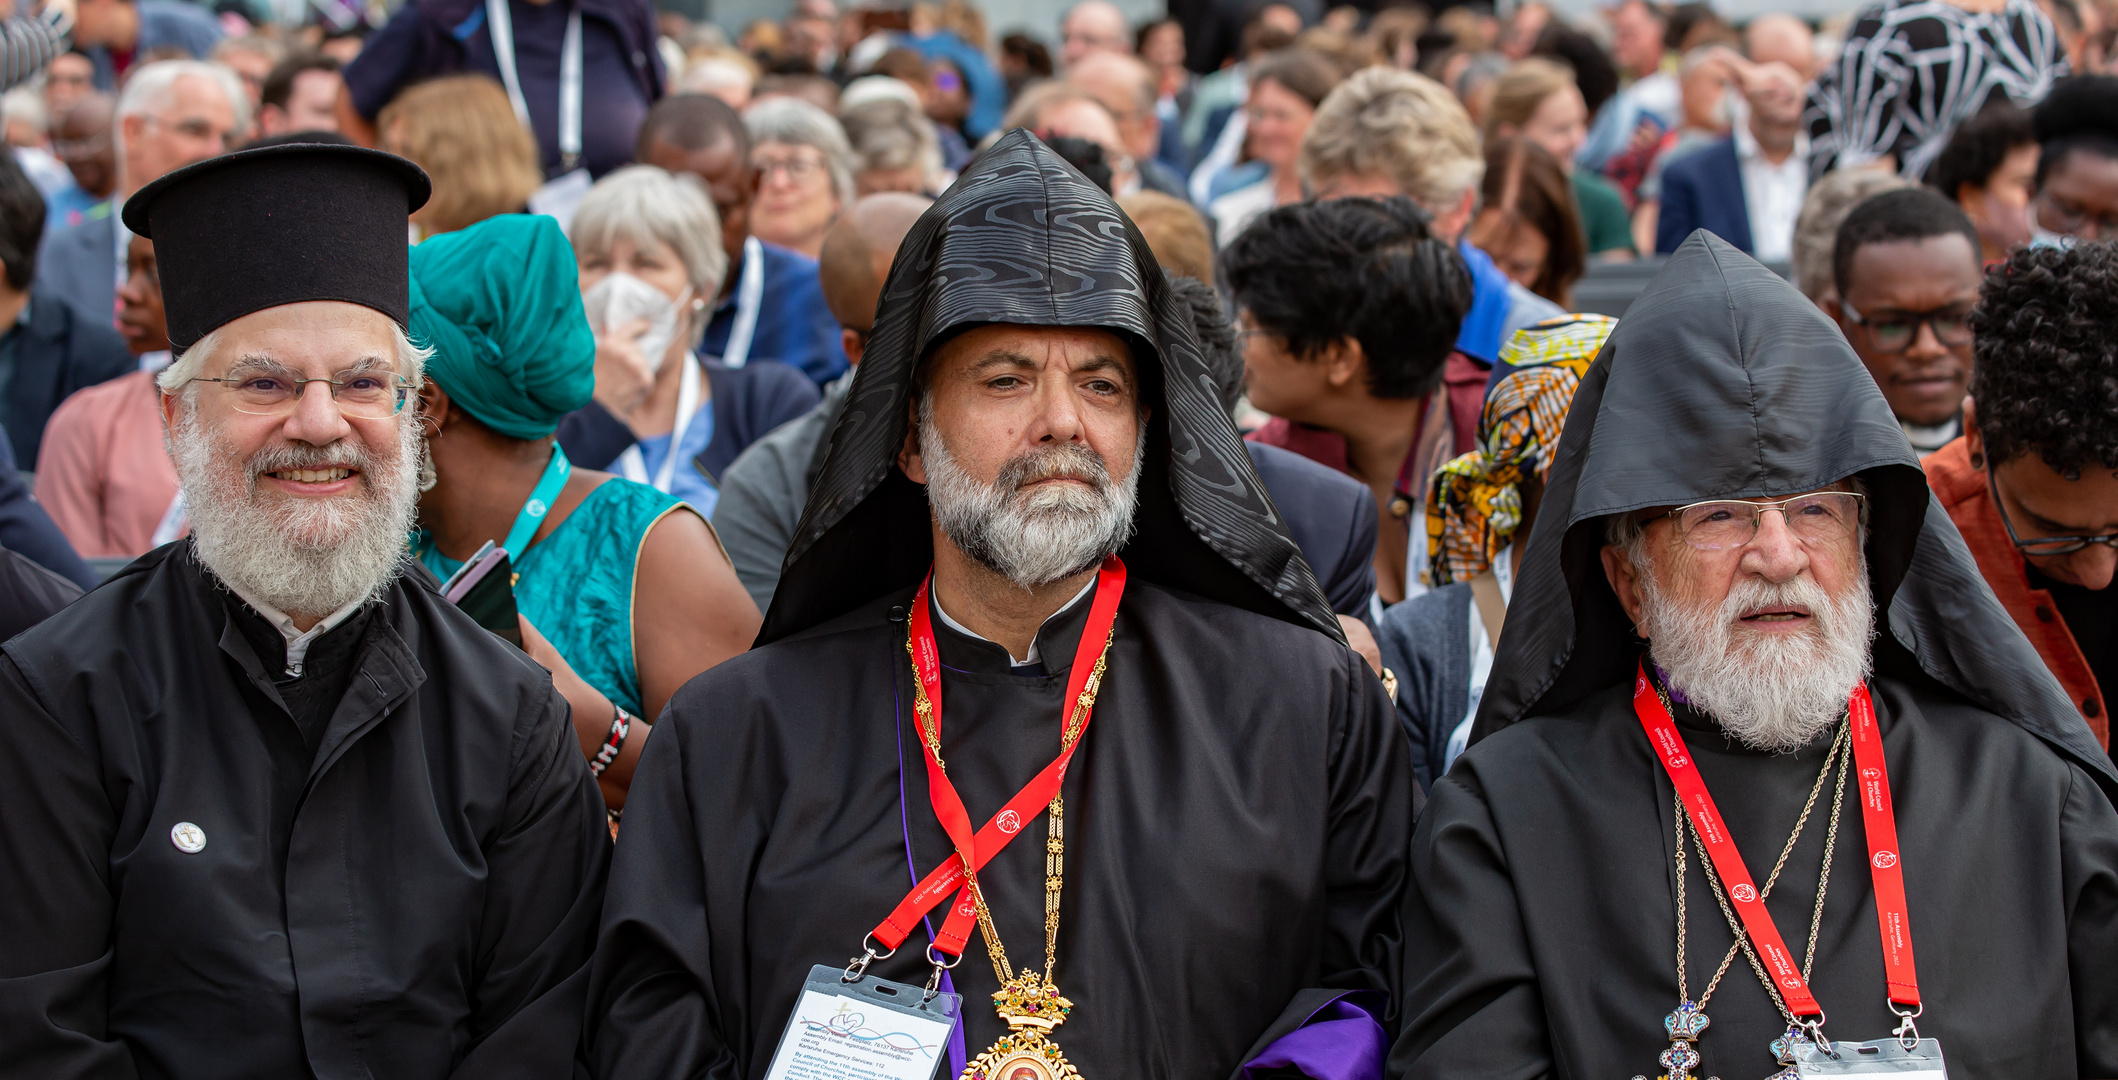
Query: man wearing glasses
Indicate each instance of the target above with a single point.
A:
(274, 807)
(2033, 484)
(1757, 748)
(1906, 263)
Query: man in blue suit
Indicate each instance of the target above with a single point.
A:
(1747, 188)
(172, 113)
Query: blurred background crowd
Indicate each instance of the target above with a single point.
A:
(713, 154)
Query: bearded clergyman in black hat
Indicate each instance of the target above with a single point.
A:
(1763, 770)
(269, 805)
(1039, 611)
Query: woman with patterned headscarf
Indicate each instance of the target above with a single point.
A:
(624, 590)
(1479, 508)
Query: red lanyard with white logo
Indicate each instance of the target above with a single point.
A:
(978, 850)
(1880, 823)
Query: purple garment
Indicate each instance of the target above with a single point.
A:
(1341, 1041)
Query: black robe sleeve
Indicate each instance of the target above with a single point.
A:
(54, 895)
(1473, 1009)
(1374, 800)
(536, 941)
(2088, 853)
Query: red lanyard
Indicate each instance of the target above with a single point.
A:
(1876, 815)
(1023, 808)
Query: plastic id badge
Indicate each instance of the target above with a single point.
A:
(867, 1029)
(1883, 1057)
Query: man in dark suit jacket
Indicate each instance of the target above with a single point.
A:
(1746, 189)
(47, 349)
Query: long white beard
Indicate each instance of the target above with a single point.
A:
(1038, 537)
(1771, 692)
(302, 556)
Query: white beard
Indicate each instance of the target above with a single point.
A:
(1037, 538)
(1771, 692)
(302, 556)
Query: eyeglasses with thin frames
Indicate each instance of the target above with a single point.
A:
(2041, 545)
(1820, 517)
(365, 395)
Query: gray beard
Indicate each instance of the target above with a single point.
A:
(1772, 692)
(1033, 539)
(302, 556)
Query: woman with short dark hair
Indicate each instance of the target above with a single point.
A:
(1527, 221)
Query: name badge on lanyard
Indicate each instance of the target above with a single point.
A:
(560, 195)
(852, 1024)
(1916, 1059)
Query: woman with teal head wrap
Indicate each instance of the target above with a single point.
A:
(629, 585)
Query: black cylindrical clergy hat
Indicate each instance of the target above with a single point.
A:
(279, 225)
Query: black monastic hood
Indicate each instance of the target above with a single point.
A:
(1724, 382)
(1022, 238)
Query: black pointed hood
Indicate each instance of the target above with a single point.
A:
(1723, 382)
(1022, 238)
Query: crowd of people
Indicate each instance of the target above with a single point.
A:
(557, 689)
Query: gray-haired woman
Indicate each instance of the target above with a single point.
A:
(805, 173)
(648, 246)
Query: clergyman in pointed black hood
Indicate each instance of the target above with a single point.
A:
(1739, 587)
(1032, 420)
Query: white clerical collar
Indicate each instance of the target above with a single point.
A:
(298, 640)
(1033, 657)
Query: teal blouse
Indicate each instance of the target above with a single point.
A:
(576, 585)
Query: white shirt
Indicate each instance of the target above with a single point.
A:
(1032, 658)
(298, 640)
(1772, 194)
(1481, 656)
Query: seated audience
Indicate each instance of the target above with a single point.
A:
(81, 139)
(462, 131)
(2033, 483)
(1988, 168)
(625, 593)
(1748, 188)
(2074, 194)
(765, 489)
(103, 470)
(301, 94)
(1538, 100)
(172, 113)
(804, 173)
(771, 307)
(645, 242)
(1527, 222)
(896, 147)
(252, 57)
(1479, 511)
(1816, 230)
(1349, 309)
(1386, 132)
(1129, 89)
(1704, 105)
(1285, 89)
(1907, 269)
(1061, 110)
(48, 350)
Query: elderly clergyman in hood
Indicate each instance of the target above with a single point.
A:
(272, 806)
(1036, 535)
(1763, 771)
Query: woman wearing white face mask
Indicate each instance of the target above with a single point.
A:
(648, 247)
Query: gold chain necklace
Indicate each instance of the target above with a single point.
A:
(1028, 1000)
(1689, 1021)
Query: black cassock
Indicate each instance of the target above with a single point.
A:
(1541, 926)
(1552, 952)
(1236, 822)
(399, 880)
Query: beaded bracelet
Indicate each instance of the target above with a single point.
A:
(620, 726)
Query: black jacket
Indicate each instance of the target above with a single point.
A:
(59, 352)
(414, 897)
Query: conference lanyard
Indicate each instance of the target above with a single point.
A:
(501, 25)
(539, 504)
(1877, 816)
(977, 850)
(749, 296)
(633, 464)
